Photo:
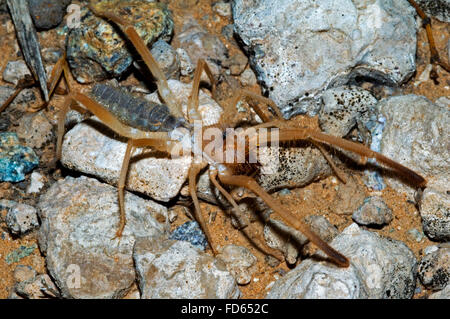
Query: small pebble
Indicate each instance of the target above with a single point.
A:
(248, 77)
(15, 71)
(434, 269)
(186, 66)
(416, 235)
(35, 129)
(21, 219)
(373, 211)
(190, 232)
(239, 261)
(20, 253)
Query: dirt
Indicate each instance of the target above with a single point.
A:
(327, 197)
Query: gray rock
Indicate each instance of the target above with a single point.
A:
(329, 44)
(15, 71)
(240, 262)
(167, 59)
(248, 77)
(413, 136)
(96, 50)
(236, 63)
(39, 287)
(440, 9)
(222, 8)
(176, 269)
(36, 183)
(192, 233)
(35, 129)
(79, 219)
(373, 211)
(47, 14)
(198, 43)
(434, 269)
(96, 152)
(434, 207)
(344, 108)
(290, 241)
(442, 294)
(21, 219)
(379, 268)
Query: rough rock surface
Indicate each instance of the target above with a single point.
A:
(299, 48)
(434, 269)
(176, 269)
(379, 268)
(439, 9)
(416, 135)
(373, 211)
(79, 218)
(22, 218)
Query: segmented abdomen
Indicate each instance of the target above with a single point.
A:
(134, 111)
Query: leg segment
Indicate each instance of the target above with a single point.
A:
(251, 184)
(244, 94)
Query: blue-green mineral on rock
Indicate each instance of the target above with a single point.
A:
(15, 160)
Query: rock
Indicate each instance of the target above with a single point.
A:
(20, 102)
(239, 261)
(96, 51)
(79, 220)
(47, 14)
(434, 269)
(167, 59)
(35, 129)
(442, 294)
(16, 71)
(175, 269)
(413, 137)
(199, 44)
(290, 241)
(15, 160)
(186, 66)
(21, 219)
(440, 9)
(373, 211)
(17, 254)
(344, 108)
(379, 268)
(36, 183)
(434, 207)
(416, 234)
(24, 273)
(39, 287)
(248, 77)
(192, 233)
(330, 44)
(222, 8)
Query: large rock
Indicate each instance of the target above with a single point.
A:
(300, 47)
(79, 219)
(379, 268)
